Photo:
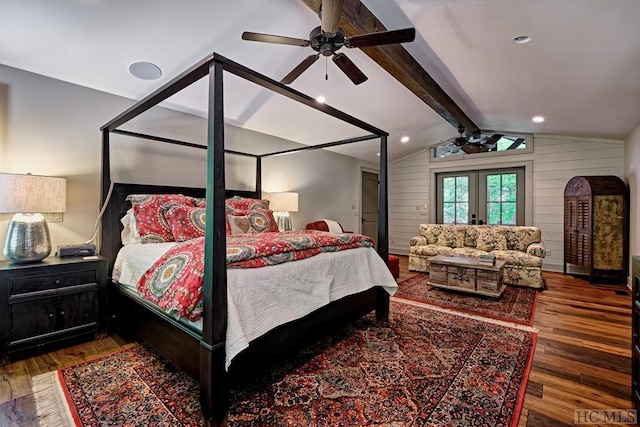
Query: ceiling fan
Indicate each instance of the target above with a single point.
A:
(472, 145)
(328, 38)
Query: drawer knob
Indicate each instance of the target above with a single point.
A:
(62, 313)
(57, 281)
(50, 315)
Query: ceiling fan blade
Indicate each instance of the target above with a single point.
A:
(474, 148)
(486, 139)
(268, 38)
(330, 11)
(349, 68)
(494, 138)
(382, 37)
(300, 68)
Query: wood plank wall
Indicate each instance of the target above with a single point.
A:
(555, 160)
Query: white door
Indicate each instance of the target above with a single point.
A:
(369, 205)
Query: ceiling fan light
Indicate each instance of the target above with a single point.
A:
(522, 39)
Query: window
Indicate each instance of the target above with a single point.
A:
(493, 196)
(483, 146)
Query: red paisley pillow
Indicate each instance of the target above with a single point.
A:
(246, 204)
(186, 222)
(149, 210)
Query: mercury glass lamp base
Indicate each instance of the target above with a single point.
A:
(27, 239)
(284, 221)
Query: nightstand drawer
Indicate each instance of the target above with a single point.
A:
(53, 281)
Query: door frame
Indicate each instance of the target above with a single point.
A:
(528, 185)
(377, 173)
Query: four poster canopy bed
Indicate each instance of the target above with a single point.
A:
(217, 296)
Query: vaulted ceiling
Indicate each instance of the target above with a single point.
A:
(580, 71)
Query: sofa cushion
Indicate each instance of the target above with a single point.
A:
(491, 240)
(431, 232)
(468, 252)
(430, 250)
(520, 237)
(471, 236)
(452, 237)
(518, 258)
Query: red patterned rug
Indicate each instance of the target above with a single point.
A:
(517, 304)
(423, 367)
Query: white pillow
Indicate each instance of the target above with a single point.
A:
(130, 232)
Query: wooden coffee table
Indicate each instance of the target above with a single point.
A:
(466, 274)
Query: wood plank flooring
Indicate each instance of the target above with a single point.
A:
(583, 352)
(582, 357)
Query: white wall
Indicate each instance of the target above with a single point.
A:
(632, 177)
(51, 127)
(554, 161)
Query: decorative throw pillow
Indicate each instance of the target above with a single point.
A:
(252, 222)
(431, 232)
(452, 237)
(149, 211)
(246, 204)
(491, 240)
(186, 222)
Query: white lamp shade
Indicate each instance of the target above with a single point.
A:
(281, 202)
(32, 193)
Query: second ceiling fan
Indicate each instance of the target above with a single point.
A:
(328, 38)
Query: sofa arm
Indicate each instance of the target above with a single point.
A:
(537, 249)
(418, 241)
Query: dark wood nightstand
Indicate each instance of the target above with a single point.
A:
(50, 304)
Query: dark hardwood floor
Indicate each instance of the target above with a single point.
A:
(582, 357)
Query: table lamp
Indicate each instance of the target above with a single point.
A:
(283, 203)
(27, 239)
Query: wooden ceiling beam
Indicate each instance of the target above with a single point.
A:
(358, 19)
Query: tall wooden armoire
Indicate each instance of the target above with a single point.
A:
(596, 227)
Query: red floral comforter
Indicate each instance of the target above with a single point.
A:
(174, 282)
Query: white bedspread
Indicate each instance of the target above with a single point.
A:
(260, 299)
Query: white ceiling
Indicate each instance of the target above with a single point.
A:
(581, 71)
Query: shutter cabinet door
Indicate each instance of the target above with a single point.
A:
(570, 230)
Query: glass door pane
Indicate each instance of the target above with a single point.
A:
(456, 199)
(502, 196)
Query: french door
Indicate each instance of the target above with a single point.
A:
(491, 196)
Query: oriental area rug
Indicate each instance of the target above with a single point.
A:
(517, 304)
(422, 367)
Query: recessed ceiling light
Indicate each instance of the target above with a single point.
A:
(404, 139)
(145, 70)
(538, 119)
(378, 154)
(321, 99)
(522, 39)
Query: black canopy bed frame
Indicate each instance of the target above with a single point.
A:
(171, 338)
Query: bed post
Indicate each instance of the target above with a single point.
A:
(259, 176)
(214, 394)
(382, 306)
(106, 244)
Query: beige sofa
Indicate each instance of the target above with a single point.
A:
(520, 246)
